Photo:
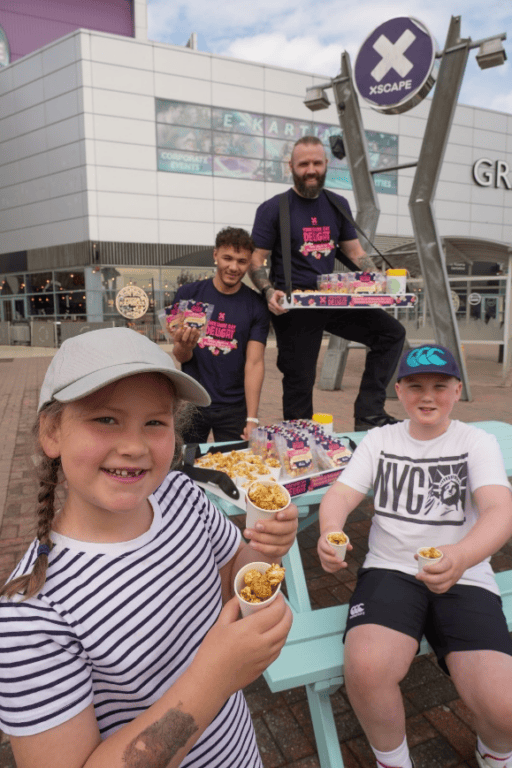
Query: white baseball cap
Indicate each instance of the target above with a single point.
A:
(90, 361)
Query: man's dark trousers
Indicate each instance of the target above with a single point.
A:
(299, 336)
(227, 423)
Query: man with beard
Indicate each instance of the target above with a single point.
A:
(317, 227)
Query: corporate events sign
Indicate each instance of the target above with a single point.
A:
(211, 141)
(396, 65)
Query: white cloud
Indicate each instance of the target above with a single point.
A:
(310, 36)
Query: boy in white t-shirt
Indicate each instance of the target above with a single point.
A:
(436, 483)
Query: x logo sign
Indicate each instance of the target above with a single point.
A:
(393, 55)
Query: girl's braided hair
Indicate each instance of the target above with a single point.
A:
(49, 475)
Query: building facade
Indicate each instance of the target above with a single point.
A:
(120, 156)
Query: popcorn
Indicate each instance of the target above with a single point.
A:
(261, 586)
(275, 574)
(428, 556)
(268, 496)
(430, 552)
(337, 538)
(243, 466)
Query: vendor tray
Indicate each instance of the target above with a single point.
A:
(295, 486)
(315, 300)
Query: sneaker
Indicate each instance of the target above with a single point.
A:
(363, 423)
(485, 762)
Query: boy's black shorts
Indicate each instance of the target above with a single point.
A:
(465, 618)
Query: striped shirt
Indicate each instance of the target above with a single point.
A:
(117, 624)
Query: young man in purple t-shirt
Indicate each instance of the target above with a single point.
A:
(229, 359)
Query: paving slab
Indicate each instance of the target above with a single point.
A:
(439, 726)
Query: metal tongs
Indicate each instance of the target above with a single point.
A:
(203, 475)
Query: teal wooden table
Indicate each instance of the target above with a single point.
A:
(313, 654)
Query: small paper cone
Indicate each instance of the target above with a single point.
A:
(254, 513)
(339, 549)
(245, 607)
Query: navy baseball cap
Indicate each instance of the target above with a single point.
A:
(429, 358)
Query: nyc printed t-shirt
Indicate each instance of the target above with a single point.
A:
(423, 492)
(117, 625)
(219, 358)
(316, 228)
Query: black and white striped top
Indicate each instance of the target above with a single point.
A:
(117, 624)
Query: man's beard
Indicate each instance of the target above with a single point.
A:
(308, 190)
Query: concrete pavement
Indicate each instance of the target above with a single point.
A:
(438, 725)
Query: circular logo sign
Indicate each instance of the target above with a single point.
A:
(132, 302)
(396, 65)
(474, 299)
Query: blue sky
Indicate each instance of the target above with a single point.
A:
(310, 35)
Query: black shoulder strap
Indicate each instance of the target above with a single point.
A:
(286, 242)
(336, 202)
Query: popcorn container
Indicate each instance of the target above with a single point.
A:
(255, 513)
(423, 561)
(396, 281)
(245, 607)
(323, 283)
(325, 420)
(340, 550)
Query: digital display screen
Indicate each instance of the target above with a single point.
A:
(210, 141)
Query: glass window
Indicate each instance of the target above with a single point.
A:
(338, 178)
(201, 140)
(278, 172)
(40, 282)
(237, 145)
(11, 285)
(185, 139)
(238, 122)
(238, 168)
(180, 162)
(71, 303)
(179, 113)
(42, 304)
(289, 130)
(69, 281)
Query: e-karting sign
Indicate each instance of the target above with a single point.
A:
(396, 65)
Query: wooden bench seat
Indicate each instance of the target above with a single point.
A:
(313, 656)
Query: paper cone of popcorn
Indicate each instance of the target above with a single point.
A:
(336, 541)
(255, 512)
(428, 559)
(245, 607)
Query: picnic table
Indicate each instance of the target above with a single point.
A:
(313, 653)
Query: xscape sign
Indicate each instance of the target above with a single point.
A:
(396, 65)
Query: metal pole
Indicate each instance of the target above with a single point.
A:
(367, 203)
(435, 139)
(358, 159)
(507, 329)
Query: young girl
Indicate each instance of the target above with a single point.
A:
(115, 649)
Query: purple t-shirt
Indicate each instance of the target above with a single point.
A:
(316, 228)
(218, 361)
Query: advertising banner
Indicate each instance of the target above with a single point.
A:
(202, 140)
